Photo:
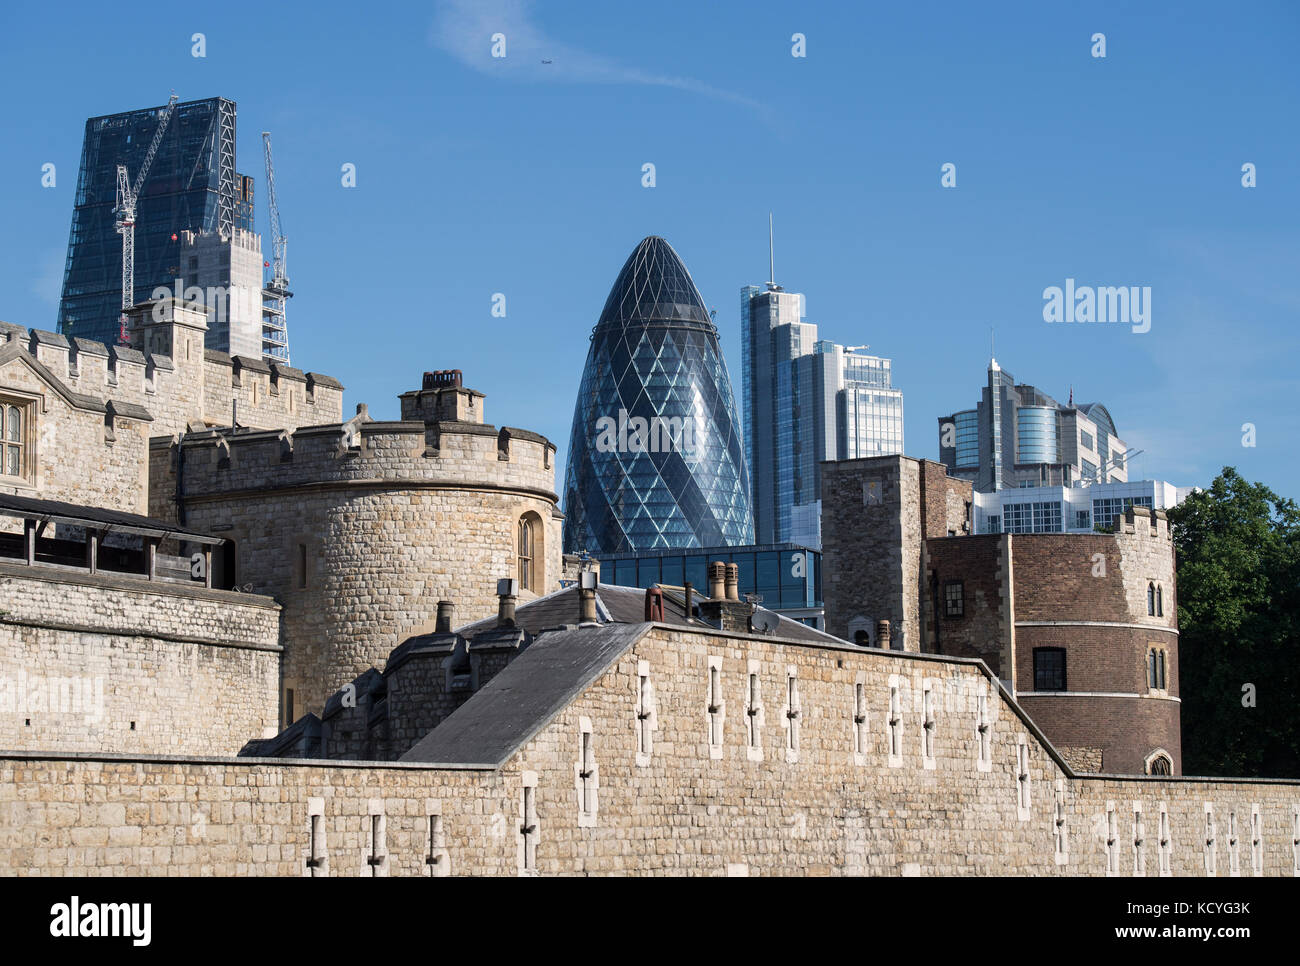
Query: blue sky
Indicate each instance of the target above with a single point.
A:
(478, 175)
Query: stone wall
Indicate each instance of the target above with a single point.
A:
(79, 449)
(167, 371)
(830, 801)
(876, 513)
(388, 518)
(134, 666)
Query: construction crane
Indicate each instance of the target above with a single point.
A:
(275, 332)
(128, 195)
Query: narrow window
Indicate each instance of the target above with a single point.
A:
(1295, 839)
(753, 698)
(1112, 839)
(983, 732)
(288, 707)
(317, 854)
(792, 716)
(859, 718)
(895, 727)
(1024, 800)
(1058, 827)
(1139, 834)
(1234, 860)
(314, 856)
(375, 827)
(525, 554)
(716, 708)
(1256, 842)
(1211, 852)
(528, 826)
(435, 858)
(927, 726)
(1156, 669)
(1160, 601)
(644, 714)
(1151, 599)
(302, 565)
(1166, 845)
(14, 459)
(587, 777)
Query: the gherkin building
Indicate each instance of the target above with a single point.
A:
(655, 457)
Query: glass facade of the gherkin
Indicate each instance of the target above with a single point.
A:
(656, 458)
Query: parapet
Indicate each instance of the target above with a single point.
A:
(363, 450)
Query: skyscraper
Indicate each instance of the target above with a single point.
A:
(194, 225)
(655, 455)
(805, 401)
(1018, 436)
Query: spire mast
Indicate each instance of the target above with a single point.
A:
(771, 253)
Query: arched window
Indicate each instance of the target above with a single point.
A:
(527, 541)
(1160, 765)
(1151, 599)
(1160, 601)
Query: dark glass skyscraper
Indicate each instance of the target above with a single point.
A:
(655, 456)
(190, 186)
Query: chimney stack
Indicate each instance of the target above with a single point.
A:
(445, 610)
(507, 594)
(717, 580)
(587, 598)
(733, 581)
(882, 634)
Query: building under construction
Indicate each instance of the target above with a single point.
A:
(191, 227)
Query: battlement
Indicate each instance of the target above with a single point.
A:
(167, 371)
(361, 450)
(1143, 522)
(440, 440)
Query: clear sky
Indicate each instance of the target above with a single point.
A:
(478, 175)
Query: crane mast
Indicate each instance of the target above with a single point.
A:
(275, 294)
(128, 195)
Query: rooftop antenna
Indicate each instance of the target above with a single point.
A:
(771, 253)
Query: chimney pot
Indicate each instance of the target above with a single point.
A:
(507, 594)
(733, 581)
(882, 634)
(717, 580)
(587, 603)
(445, 610)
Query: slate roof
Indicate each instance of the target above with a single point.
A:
(524, 697)
(625, 605)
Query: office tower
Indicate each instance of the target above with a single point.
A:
(806, 400)
(1018, 436)
(655, 456)
(193, 229)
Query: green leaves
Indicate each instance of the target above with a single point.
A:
(1238, 556)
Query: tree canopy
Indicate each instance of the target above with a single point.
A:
(1238, 559)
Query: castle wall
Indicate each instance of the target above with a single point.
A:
(134, 667)
(390, 517)
(836, 805)
(80, 453)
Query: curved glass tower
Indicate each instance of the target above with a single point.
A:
(655, 455)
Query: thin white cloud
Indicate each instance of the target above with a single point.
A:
(464, 29)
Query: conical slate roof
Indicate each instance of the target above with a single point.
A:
(655, 456)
